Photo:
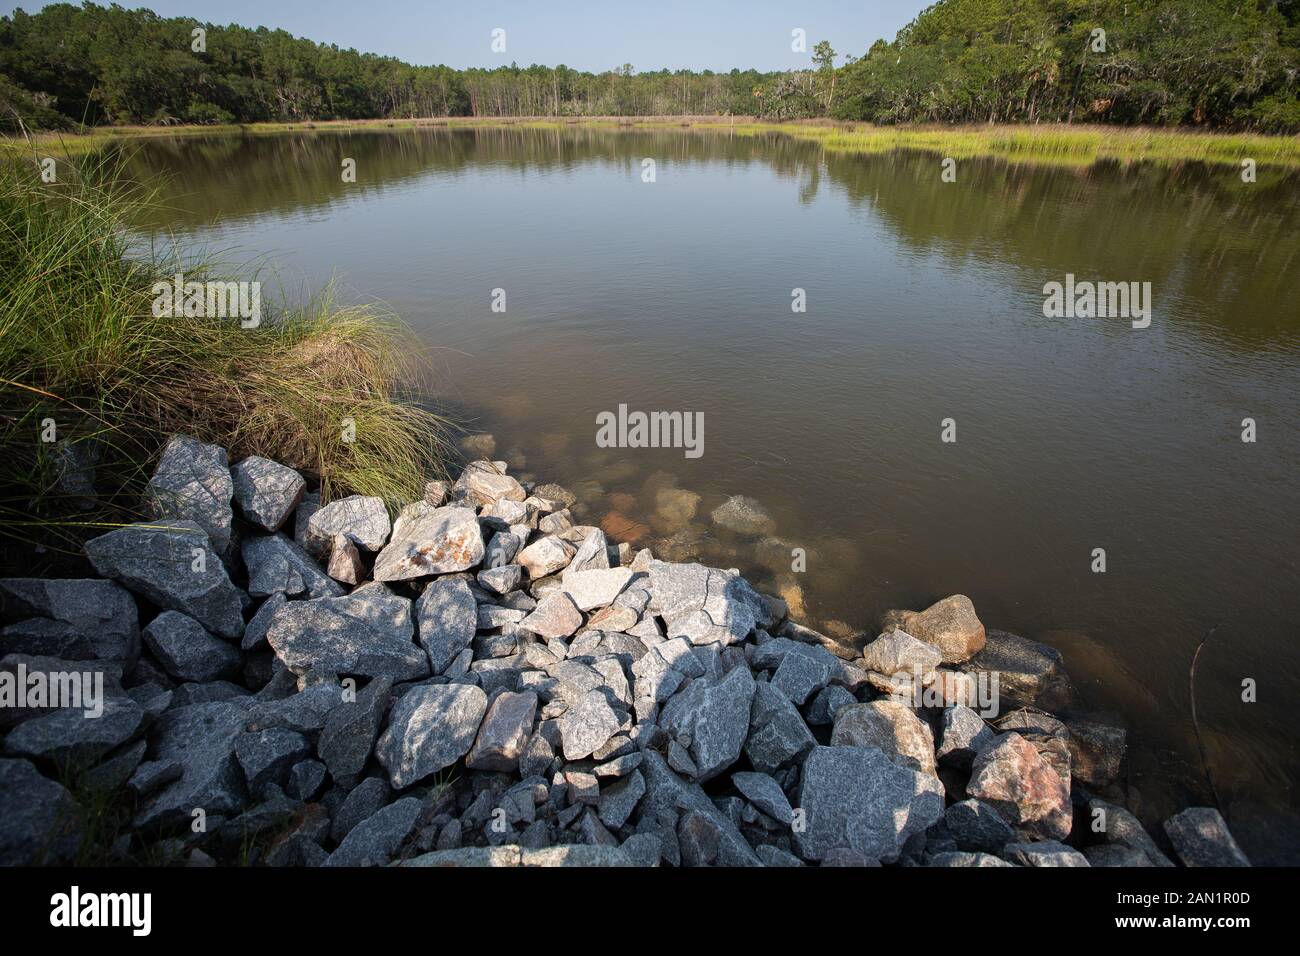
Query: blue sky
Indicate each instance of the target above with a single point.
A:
(585, 34)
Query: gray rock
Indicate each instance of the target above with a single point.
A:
(430, 728)
(152, 774)
(588, 724)
(703, 605)
(367, 633)
(362, 802)
(857, 798)
(484, 482)
(620, 766)
(201, 738)
(1029, 674)
(44, 637)
(277, 565)
(115, 770)
(172, 564)
(619, 800)
(978, 826)
(1115, 855)
(1097, 748)
(893, 727)
(667, 795)
(192, 483)
(556, 616)
(254, 638)
(376, 840)
(828, 702)
(643, 849)
(447, 616)
(899, 652)
(955, 858)
(345, 564)
(715, 714)
(363, 519)
(744, 516)
(71, 736)
(596, 587)
(103, 612)
(503, 579)
(1121, 827)
(1201, 838)
(267, 757)
(304, 712)
(778, 737)
(964, 735)
(764, 792)
(39, 821)
(187, 651)
(1043, 853)
(592, 554)
(434, 541)
(305, 779)
(350, 731)
(775, 856)
(801, 674)
(503, 733)
(266, 491)
(544, 556)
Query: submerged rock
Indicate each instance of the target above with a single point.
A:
(950, 626)
(1201, 838)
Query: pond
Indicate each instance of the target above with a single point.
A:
(868, 349)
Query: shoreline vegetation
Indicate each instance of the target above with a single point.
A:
(1056, 143)
(93, 379)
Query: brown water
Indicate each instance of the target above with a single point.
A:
(924, 302)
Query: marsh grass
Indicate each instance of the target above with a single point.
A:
(83, 359)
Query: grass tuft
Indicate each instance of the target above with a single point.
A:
(88, 373)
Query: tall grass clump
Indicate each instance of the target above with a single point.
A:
(92, 382)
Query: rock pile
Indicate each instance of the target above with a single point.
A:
(483, 681)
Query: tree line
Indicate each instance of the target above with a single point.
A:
(1221, 63)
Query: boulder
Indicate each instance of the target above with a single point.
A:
(703, 605)
(75, 737)
(618, 800)
(714, 713)
(345, 564)
(173, 565)
(744, 516)
(40, 823)
(544, 556)
(555, 616)
(588, 725)
(266, 491)
(433, 541)
(597, 587)
(764, 792)
(1011, 775)
(376, 840)
(778, 737)
(964, 735)
(368, 633)
(483, 482)
(363, 519)
(1117, 826)
(857, 798)
(277, 565)
(187, 651)
(1043, 853)
(447, 615)
(668, 798)
(1201, 838)
(267, 756)
(977, 826)
(348, 737)
(1097, 749)
(1029, 674)
(890, 726)
(950, 626)
(192, 483)
(431, 727)
(503, 733)
(898, 652)
(103, 612)
(201, 738)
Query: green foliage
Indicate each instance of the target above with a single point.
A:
(1221, 63)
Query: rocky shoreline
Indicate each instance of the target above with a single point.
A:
(485, 682)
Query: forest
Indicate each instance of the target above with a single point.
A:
(1224, 64)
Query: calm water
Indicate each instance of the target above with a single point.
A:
(924, 302)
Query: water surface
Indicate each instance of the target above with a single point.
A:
(924, 302)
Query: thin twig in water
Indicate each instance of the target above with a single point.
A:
(1191, 692)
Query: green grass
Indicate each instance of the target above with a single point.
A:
(81, 351)
(1046, 144)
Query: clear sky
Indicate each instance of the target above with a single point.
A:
(584, 34)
